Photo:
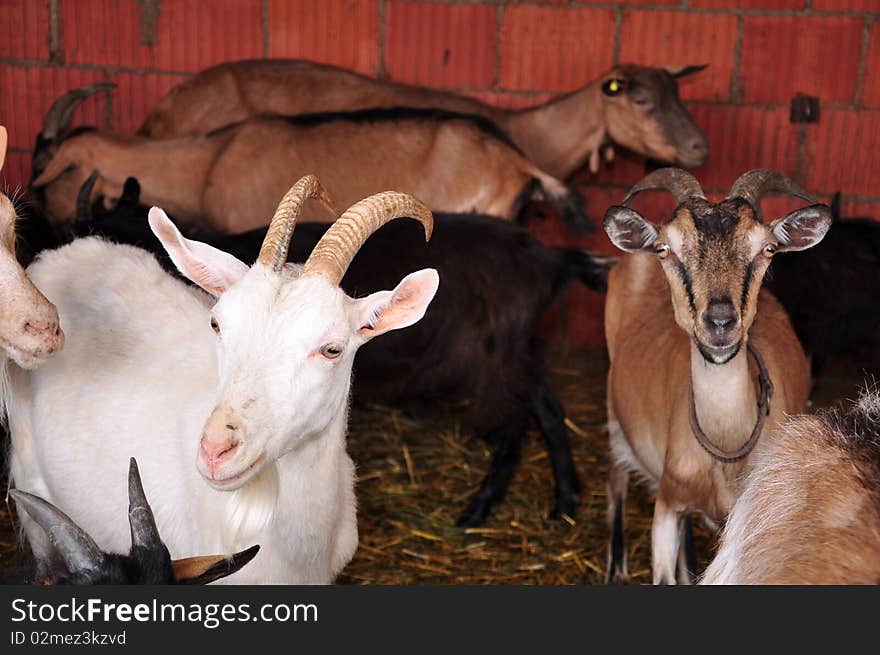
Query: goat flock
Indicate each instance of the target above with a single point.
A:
(207, 356)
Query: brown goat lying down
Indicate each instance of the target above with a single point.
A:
(810, 509)
(451, 162)
(636, 107)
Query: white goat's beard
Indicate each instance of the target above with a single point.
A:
(249, 509)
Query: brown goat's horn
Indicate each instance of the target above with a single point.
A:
(755, 184)
(273, 252)
(144, 533)
(333, 253)
(4, 140)
(679, 183)
(78, 550)
(58, 117)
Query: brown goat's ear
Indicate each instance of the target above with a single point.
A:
(628, 230)
(802, 228)
(204, 570)
(683, 71)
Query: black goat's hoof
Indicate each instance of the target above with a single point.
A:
(566, 505)
(474, 516)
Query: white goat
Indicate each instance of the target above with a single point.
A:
(29, 329)
(144, 376)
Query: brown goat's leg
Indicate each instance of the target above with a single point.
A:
(508, 448)
(686, 571)
(664, 541)
(618, 481)
(550, 417)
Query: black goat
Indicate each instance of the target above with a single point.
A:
(830, 292)
(478, 341)
(148, 561)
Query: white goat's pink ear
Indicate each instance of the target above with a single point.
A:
(391, 310)
(213, 270)
(4, 139)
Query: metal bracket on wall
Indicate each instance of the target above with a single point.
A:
(804, 109)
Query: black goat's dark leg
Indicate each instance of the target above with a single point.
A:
(504, 461)
(550, 417)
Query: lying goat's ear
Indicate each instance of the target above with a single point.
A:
(203, 570)
(802, 228)
(391, 310)
(628, 230)
(213, 270)
(683, 71)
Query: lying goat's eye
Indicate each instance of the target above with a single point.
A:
(662, 250)
(331, 350)
(769, 249)
(215, 325)
(613, 87)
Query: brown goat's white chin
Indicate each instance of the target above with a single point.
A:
(718, 354)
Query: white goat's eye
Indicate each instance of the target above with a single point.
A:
(769, 249)
(662, 250)
(215, 325)
(331, 350)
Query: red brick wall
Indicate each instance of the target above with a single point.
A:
(512, 53)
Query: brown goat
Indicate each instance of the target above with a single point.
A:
(703, 362)
(231, 176)
(809, 512)
(634, 106)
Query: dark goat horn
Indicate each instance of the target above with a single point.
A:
(757, 183)
(61, 112)
(144, 533)
(681, 184)
(84, 198)
(78, 550)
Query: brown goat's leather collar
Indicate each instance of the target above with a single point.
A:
(764, 394)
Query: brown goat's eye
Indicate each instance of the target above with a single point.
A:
(613, 86)
(769, 250)
(331, 350)
(662, 250)
(215, 325)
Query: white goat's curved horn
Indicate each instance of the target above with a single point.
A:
(273, 252)
(332, 255)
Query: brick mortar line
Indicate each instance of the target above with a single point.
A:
(685, 8)
(382, 73)
(111, 70)
(863, 62)
(264, 26)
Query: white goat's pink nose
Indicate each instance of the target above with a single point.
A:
(217, 448)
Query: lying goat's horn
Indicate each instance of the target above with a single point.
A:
(144, 533)
(333, 253)
(273, 252)
(755, 184)
(84, 198)
(61, 112)
(78, 550)
(681, 184)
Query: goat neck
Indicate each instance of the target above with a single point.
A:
(724, 398)
(561, 135)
